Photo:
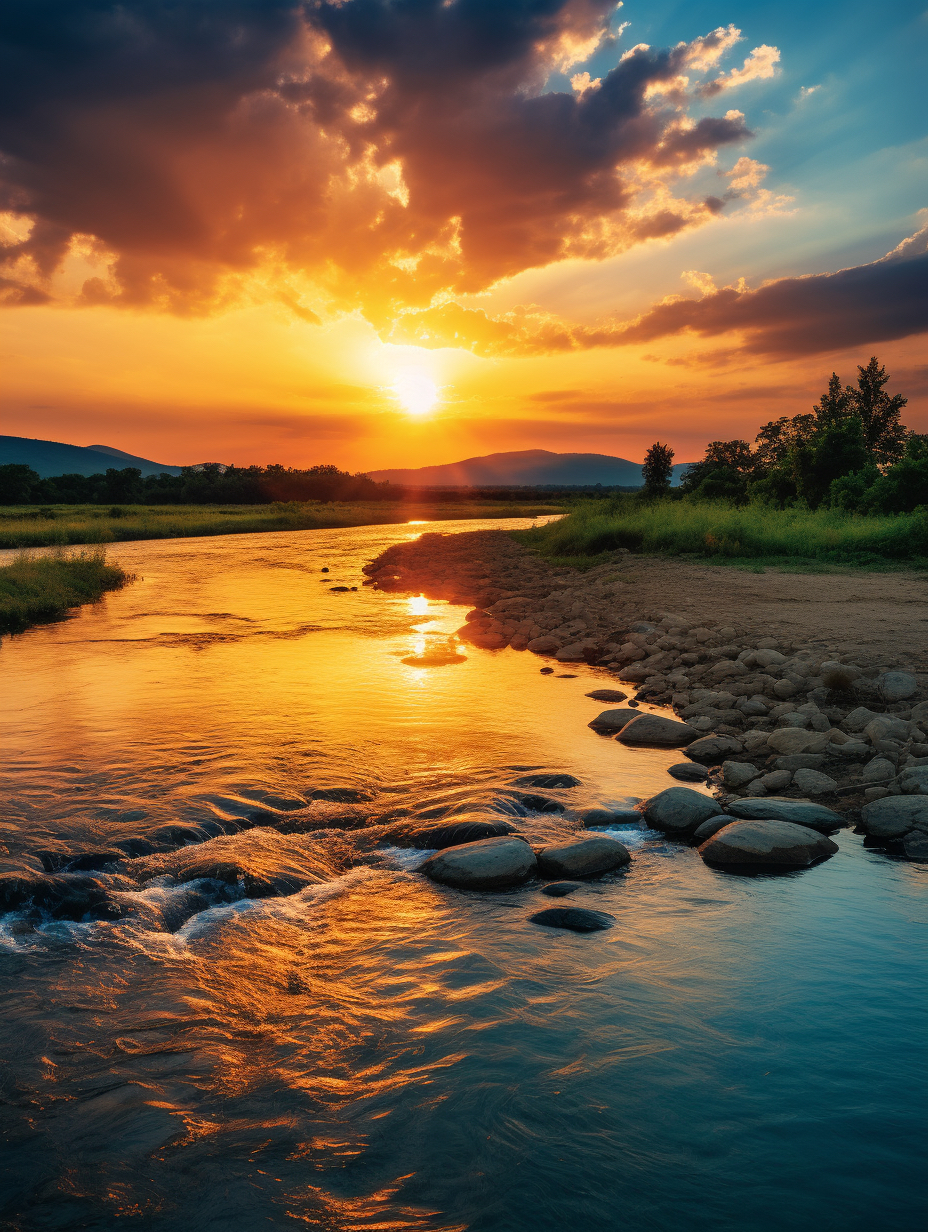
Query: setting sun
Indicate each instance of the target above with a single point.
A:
(416, 393)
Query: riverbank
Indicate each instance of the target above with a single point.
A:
(813, 688)
(38, 589)
(28, 527)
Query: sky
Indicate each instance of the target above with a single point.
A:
(382, 233)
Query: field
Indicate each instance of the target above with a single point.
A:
(736, 535)
(39, 588)
(28, 527)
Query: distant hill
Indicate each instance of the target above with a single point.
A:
(526, 468)
(50, 458)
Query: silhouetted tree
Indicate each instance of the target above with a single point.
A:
(658, 469)
(17, 482)
(879, 413)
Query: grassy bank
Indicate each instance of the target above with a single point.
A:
(724, 533)
(28, 527)
(34, 589)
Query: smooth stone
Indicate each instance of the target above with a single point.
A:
(712, 826)
(544, 671)
(737, 774)
(489, 864)
(679, 810)
(781, 808)
(793, 739)
(451, 833)
(687, 772)
(894, 816)
(610, 817)
(577, 919)
(915, 846)
(914, 781)
(613, 720)
(814, 783)
(878, 770)
(897, 686)
(768, 843)
(544, 645)
(584, 857)
(654, 729)
(710, 750)
(548, 780)
(608, 695)
(560, 889)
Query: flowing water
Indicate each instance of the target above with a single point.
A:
(326, 1039)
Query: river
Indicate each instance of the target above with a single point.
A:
(373, 1051)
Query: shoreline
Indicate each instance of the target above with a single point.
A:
(839, 718)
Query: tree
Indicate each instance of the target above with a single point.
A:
(879, 413)
(16, 483)
(723, 472)
(834, 406)
(657, 469)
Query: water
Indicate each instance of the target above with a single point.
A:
(373, 1051)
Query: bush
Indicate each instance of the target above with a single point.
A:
(39, 588)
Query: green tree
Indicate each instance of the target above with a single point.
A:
(16, 483)
(879, 413)
(658, 469)
(840, 449)
(723, 473)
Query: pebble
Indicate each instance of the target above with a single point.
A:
(560, 889)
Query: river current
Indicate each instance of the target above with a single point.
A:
(363, 1049)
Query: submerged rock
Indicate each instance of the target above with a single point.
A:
(687, 772)
(547, 780)
(915, 846)
(712, 826)
(654, 729)
(613, 720)
(894, 816)
(608, 695)
(560, 889)
(610, 817)
(679, 810)
(450, 833)
(781, 808)
(489, 864)
(766, 844)
(577, 919)
(583, 857)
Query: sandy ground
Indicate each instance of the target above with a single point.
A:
(878, 616)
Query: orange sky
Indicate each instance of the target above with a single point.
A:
(408, 251)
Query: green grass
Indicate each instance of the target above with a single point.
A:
(34, 589)
(722, 533)
(28, 527)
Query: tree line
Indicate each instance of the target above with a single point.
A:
(851, 452)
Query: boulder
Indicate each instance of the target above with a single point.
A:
(814, 783)
(712, 826)
(613, 720)
(913, 781)
(858, 719)
(560, 889)
(489, 864)
(766, 844)
(710, 750)
(915, 846)
(688, 772)
(897, 686)
(776, 780)
(793, 740)
(608, 695)
(737, 774)
(878, 770)
(469, 828)
(582, 857)
(543, 645)
(577, 919)
(781, 808)
(894, 816)
(653, 729)
(679, 810)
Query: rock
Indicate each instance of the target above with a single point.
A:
(487, 641)
(488, 864)
(577, 919)
(781, 808)
(613, 720)
(470, 828)
(913, 781)
(800, 761)
(858, 719)
(736, 774)
(897, 686)
(712, 826)
(813, 782)
(547, 780)
(544, 671)
(878, 770)
(894, 816)
(583, 857)
(687, 772)
(784, 688)
(919, 714)
(653, 729)
(679, 810)
(776, 780)
(853, 750)
(792, 740)
(755, 706)
(560, 889)
(876, 793)
(543, 645)
(766, 844)
(608, 695)
(610, 817)
(915, 846)
(711, 749)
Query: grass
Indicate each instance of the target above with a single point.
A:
(34, 589)
(726, 534)
(27, 527)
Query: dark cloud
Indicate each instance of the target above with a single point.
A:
(382, 150)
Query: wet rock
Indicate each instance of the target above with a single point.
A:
(176, 835)
(491, 863)
(538, 804)
(543, 645)
(653, 729)
(781, 808)
(583, 857)
(610, 817)
(894, 816)
(450, 833)
(608, 695)
(814, 783)
(93, 861)
(613, 720)
(339, 589)
(560, 889)
(915, 846)
(547, 780)
(687, 772)
(679, 810)
(544, 671)
(766, 844)
(710, 750)
(712, 826)
(897, 686)
(342, 795)
(576, 919)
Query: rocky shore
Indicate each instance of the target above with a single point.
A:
(772, 718)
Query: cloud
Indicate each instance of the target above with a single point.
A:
(760, 65)
(342, 154)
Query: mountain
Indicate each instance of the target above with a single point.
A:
(51, 458)
(526, 468)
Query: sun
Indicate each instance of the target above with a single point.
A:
(416, 393)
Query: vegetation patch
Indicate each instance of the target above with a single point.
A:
(34, 589)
